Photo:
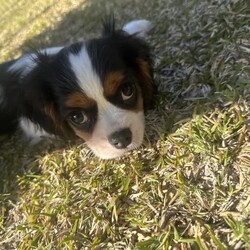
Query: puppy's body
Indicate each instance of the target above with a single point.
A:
(96, 90)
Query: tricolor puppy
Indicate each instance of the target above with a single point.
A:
(96, 90)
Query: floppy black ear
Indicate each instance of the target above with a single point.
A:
(40, 102)
(137, 56)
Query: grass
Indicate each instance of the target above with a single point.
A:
(188, 187)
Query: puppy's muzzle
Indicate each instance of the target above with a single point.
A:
(121, 138)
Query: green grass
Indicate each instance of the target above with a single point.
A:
(188, 186)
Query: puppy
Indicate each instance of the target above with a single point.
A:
(96, 90)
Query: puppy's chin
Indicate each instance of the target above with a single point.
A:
(108, 154)
(104, 150)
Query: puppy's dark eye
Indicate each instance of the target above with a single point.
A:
(127, 91)
(78, 118)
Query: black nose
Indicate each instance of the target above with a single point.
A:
(121, 139)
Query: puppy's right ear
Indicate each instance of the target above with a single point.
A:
(139, 28)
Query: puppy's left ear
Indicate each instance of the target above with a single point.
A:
(139, 28)
(136, 53)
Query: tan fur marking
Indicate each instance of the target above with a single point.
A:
(139, 104)
(50, 111)
(146, 81)
(112, 82)
(83, 135)
(145, 69)
(79, 100)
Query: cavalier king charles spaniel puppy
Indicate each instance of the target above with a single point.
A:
(96, 90)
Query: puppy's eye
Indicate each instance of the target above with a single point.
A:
(127, 91)
(78, 118)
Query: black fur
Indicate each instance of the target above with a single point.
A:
(9, 98)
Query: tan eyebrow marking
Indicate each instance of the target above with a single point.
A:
(112, 81)
(79, 100)
(83, 135)
(49, 110)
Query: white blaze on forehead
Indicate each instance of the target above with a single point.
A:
(87, 78)
(81, 64)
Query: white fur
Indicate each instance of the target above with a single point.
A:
(140, 28)
(32, 130)
(110, 118)
(27, 62)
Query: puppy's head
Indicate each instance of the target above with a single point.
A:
(101, 88)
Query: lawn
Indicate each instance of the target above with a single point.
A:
(188, 186)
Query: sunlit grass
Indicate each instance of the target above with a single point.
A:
(188, 186)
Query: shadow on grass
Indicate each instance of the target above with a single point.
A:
(16, 155)
(83, 23)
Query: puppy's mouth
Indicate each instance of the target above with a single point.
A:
(109, 152)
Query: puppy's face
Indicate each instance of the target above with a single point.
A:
(102, 87)
(107, 114)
